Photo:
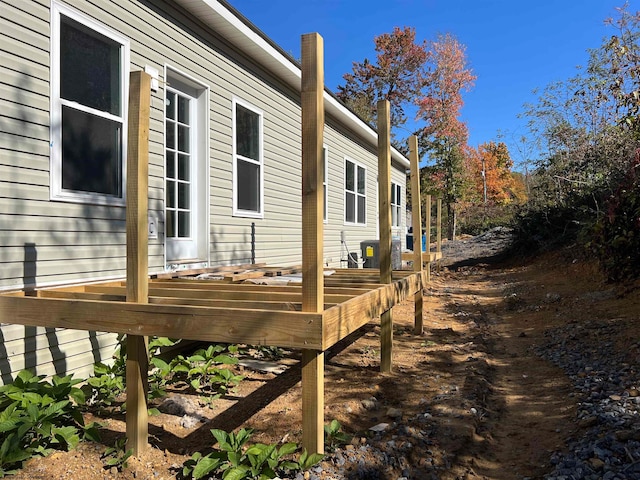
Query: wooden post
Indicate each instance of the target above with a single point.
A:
(439, 230)
(312, 234)
(137, 255)
(428, 235)
(416, 221)
(384, 208)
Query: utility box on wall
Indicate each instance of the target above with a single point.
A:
(371, 254)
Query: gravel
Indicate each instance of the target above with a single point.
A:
(609, 402)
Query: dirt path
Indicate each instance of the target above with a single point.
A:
(526, 412)
(469, 399)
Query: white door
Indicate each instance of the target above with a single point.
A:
(181, 195)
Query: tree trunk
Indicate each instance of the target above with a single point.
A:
(451, 220)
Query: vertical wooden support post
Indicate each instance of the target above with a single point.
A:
(428, 236)
(384, 208)
(416, 224)
(137, 255)
(439, 230)
(312, 234)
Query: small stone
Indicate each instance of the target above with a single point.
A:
(188, 422)
(596, 463)
(634, 392)
(394, 413)
(615, 398)
(369, 403)
(624, 435)
(381, 427)
(588, 422)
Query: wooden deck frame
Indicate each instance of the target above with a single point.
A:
(308, 317)
(428, 257)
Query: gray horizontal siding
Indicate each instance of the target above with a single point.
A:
(52, 351)
(79, 242)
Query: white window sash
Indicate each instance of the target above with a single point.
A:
(55, 189)
(237, 212)
(355, 165)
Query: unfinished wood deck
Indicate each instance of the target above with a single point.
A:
(311, 316)
(217, 310)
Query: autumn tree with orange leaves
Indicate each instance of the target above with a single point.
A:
(491, 178)
(427, 77)
(397, 75)
(444, 136)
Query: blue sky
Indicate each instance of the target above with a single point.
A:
(513, 46)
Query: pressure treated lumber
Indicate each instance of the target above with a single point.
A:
(427, 257)
(439, 231)
(217, 325)
(384, 218)
(137, 364)
(416, 221)
(428, 237)
(312, 100)
(346, 317)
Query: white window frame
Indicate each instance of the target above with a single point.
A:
(56, 192)
(357, 195)
(236, 211)
(397, 188)
(325, 183)
(200, 143)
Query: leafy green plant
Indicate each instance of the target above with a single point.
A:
(270, 352)
(334, 437)
(235, 460)
(117, 456)
(106, 385)
(39, 417)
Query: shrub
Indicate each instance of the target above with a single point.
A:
(39, 417)
(616, 236)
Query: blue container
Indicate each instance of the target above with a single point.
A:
(424, 243)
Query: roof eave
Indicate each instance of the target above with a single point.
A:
(244, 35)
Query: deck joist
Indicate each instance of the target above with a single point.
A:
(216, 311)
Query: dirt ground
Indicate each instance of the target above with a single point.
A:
(492, 409)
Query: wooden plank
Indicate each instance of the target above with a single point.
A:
(137, 365)
(227, 325)
(341, 289)
(239, 277)
(345, 318)
(312, 171)
(279, 271)
(384, 219)
(416, 220)
(366, 272)
(313, 400)
(260, 305)
(439, 230)
(199, 271)
(427, 257)
(250, 296)
(428, 236)
(312, 100)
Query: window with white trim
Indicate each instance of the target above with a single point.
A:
(396, 200)
(247, 160)
(325, 181)
(89, 67)
(355, 199)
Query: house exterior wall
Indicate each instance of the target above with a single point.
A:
(47, 242)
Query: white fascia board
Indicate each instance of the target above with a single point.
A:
(255, 44)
